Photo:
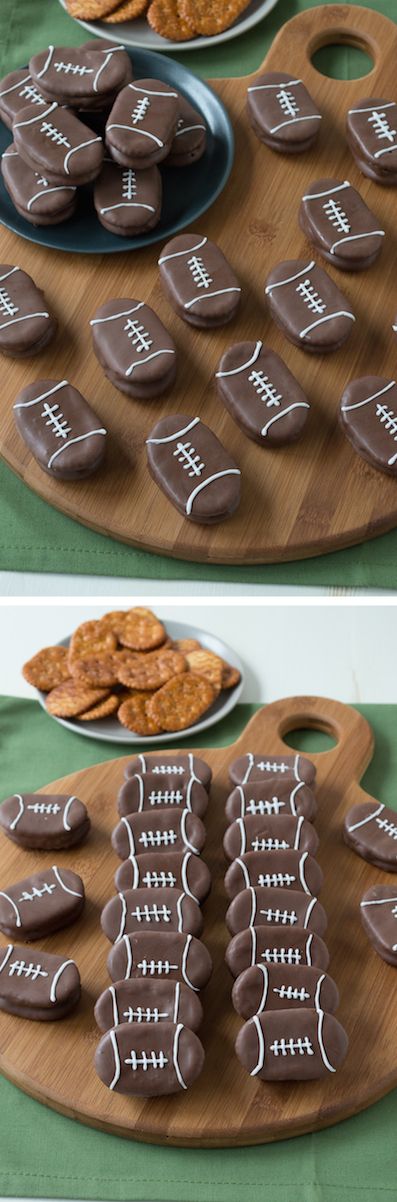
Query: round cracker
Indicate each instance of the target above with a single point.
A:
(47, 669)
(230, 676)
(151, 672)
(210, 16)
(91, 638)
(206, 663)
(127, 11)
(98, 670)
(165, 18)
(133, 714)
(71, 698)
(90, 10)
(141, 630)
(181, 701)
(103, 710)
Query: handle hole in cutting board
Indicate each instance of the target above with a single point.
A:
(310, 741)
(342, 55)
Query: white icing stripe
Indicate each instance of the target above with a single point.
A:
(309, 942)
(66, 888)
(327, 1063)
(253, 946)
(358, 404)
(9, 952)
(369, 818)
(230, 471)
(102, 68)
(264, 87)
(302, 877)
(141, 758)
(14, 907)
(310, 907)
(378, 901)
(73, 151)
(294, 120)
(112, 992)
(15, 86)
(249, 767)
(27, 317)
(126, 204)
(317, 1005)
(177, 434)
(240, 790)
(47, 62)
(177, 253)
(46, 192)
(123, 915)
(179, 913)
(356, 238)
(148, 92)
(53, 990)
(178, 1073)
(328, 192)
(277, 416)
(138, 362)
(117, 1068)
(133, 130)
(38, 117)
(71, 441)
(386, 150)
(188, 793)
(68, 805)
(387, 105)
(244, 870)
(130, 837)
(320, 321)
(298, 832)
(98, 321)
(290, 279)
(184, 962)
(296, 767)
(135, 869)
(184, 834)
(20, 811)
(264, 971)
(184, 880)
(219, 292)
(243, 838)
(7, 273)
(261, 1046)
(253, 906)
(43, 396)
(128, 953)
(176, 1002)
(188, 129)
(235, 370)
(141, 794)
(292, 797)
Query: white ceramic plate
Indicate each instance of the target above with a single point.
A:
(109, 730)
(139, 33)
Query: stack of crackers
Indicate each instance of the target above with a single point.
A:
(125, 665)
(177, 20)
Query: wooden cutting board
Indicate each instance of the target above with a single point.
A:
(225, 1107)
(300, 501)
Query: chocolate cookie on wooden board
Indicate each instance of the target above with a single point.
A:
(275, 945)
(142, 123)
(282, 113)
(368, 415)
(177, 957)
(261, 394)
(339, 224)
(272, 798)
(378, 910)
(61, 430)
(164, 909)
(308, 307)
(202, 288)
(190, 137)
(34, 197)
(147, 1061)
(263, 767)
(370, 829)
(57, 144)
(371, 132)
(36, 984)
(78, 76)
(162, 831)
(128, 202)
(261, 905)
(193, 469)
(26, 325)
(148, 793)
(41, 903)
(44, 820)
(17, 90)
(179, 870)
(292, 1045)
(143, 1001)
(289, 870)
(171, 765)
(283, 987)
(135, 350)
(266, 833)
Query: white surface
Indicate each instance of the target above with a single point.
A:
(32, 584)
(342, 650)
(139, 32)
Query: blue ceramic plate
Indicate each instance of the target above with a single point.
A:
(187, 191)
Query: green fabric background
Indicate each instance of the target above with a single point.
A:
(37, 538)
(45, 1155)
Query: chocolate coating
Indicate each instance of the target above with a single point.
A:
(189, 141)
(261, 394)
(37, 985)
(146, 909)
(202, 288)
(272, 798)
(149, 1061)
(135, 350)
(58, 145)
(26, 325)
(17, 90)
(292, 1045)
(264, 833)
(34, 198)
(150, 791)
(128, 202)
(308, 307)
(178, 870)
(378, 909)
(144, 954)
(368, 415)
(41, 903)
(260, 905)
(339, 224)
(265, 766)
(370, 829)
(278, 945)
(372, 138)
(282, 113)
(76, 75)
(193, 469)
(163, 831)
(42, 820)
(182, 766)
(61, 430)
(143, 1001)
(289, 870)
(283, 987)
(142, 123)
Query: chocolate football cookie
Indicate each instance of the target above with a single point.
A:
(58, 145)
(308, 307)
(289, 870)
(282, 113)
(146, 909)
(41, 903)
(149, 792)
(34, 198)
(370, 829)
(135, 350)
(274, 797)
(261, 905)
(372, 137)
(283, 987)
(128, 202)
(265, 833)
(43, 820)
(26, 325)
(161, 954)
(378, 910)
(142, 1001)
(202, 288)
(186, 766)
(79, 76)
(339, 224)
(263, 767)
(37, 985)
(261, 394)
(147, 1061)
(196, 473)
(368, 415)
(178, 870)
(17, 90)
(275, 944)
(190, 138)
(162, 831)
(292, 1045)
(60, 429)
(142, 123)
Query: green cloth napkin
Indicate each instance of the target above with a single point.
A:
(35, 537)
(44, 1155)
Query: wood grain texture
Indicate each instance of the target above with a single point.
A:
(298, 501)
(54, 1062)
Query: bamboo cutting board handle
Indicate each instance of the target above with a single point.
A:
(335, 24)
